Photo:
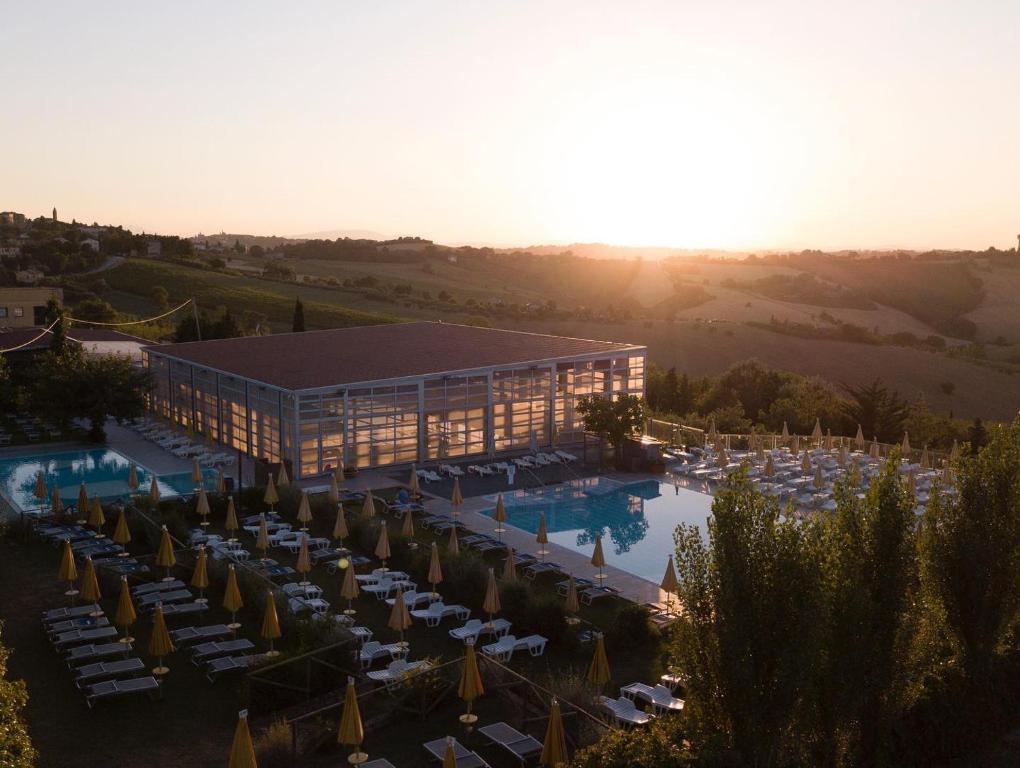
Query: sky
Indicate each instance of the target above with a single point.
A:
(736, 125)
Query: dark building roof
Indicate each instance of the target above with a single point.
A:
(376, 352)
(13, 337)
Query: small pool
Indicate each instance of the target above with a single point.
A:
(104, 471)
(636, 520)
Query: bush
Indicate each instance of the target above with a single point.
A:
(631, 629)
(661, 744)
(273, 746)
(16, 750)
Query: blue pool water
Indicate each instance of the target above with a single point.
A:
(104, 471)
(636, 520)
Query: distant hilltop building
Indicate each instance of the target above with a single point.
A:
(10, 217)
(153, 248)
(54, 213)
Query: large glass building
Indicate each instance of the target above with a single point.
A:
(387, 394)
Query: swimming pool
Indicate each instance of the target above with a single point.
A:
(104, 471)
(636, 520)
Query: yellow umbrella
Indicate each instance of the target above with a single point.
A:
(304, 562)
(349, 590)
(242, 751)
(805, 464)
(816, 433)
(231, 523)
(339, 474)
(382, 547)
(165, 556)
(41, 492)
(352, 732)
(282, 477)
(160, 644)
(90, 586)
(154, 490)
(875, 451)
(271, 497)
(262, 540)
(450, 755)
(200, 576)
(304, 513)
(96, 517)
(221, 481)
(859, 439)
(598, 559)
(571, 605)
(435, 569)
(232, 597)
(906, 445)
(412, 483)
(122, 534)
(843, 457)
(828, 439)
(770, 466)
(407, 529)
(57, 503)
(270, 623)
(598, 670)
(202, 506)
(925, 461)
(399, 619)
(456, 498)
(368, 508)
(126, 615)
(453, 546)
(542, 537)
(83, 502)
(722, 460)
(499, 516)
(68, 570)
(554, 749)
(470, 686)
(785, 437)
(491, 603)
(334, 490)
(196, 472)
(340, 526)
(509, 568)
(669, 582)
(819, 479)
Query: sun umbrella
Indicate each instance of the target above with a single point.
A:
(232, 597)
(399, 619)
(875, 451)
(368, 508)
(304, 512)
(491, 602)
(509, 567)
(334, 490)
(843, 457)
(554, 748)
(125, 615)
(352, 732)
(83, 502)
(200, 576)
(160, 644)
(165, 556)
(770, 466)
(304, 562)
(925, 461)
(196, 472)
(271, 497)
(571, 605)
(339, 474)
(340, 526)
(68, 571)
(759, 451)
(819, 479)
(435, 575)
(470, 686)
(41, 492)
(407, 529)
(242, 751)
(816, 433)
(542, 537)
(262, 540)
(785, 437)
(349, 590)
(96, 517)
(911, 482)
(795, 449)
(270, 624)
(154, 490)
(598, 670)
(221, 481)
(598, 559)
(669, 582)
(906, 445)
(282, 478)
(122, 534)
(382, 546)
(453, 546)
(450, 755)
(711, 435)
(721, 459)
(231, 522)
(202, 506)
(805, 464)
(57, 503)
(499, 515)
(412, 482)
(456, 498)
(90, 585)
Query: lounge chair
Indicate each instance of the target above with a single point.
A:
(80, 636)
(184, 609)
(278, 571)
(533, 644)
(546, 566)
(316, 605)
(413, 598)
(397, 672)
(478, 469)
(191, 634)
(579, 584)
(474, 628)
(85, 654)
(659, 696)
(205, 651)
(378, 575)
(502, 649)
(623, 711)
(217, 667)
(110, 688)
(145, 602)
(518, 744)
(307, 591)
(324, 555)
(373, 650)
(438, 610)
(384, 587)
(592, 594)
(566, 456)
(103, 670)
(487, 545)
(465, 757)
(82, 622)
(382, 762)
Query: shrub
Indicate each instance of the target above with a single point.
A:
(464, 579)
(273, 746)
(631, 629)
(16, 750)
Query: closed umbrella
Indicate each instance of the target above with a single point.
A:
(133, 478)
(339, 474)
(399, 619)
(271, 497)
(96, 517)
(843, 457)
(711, 436)
(160, 644)
(412, 482)
(554, 748)
(57, 503)
(470, 686)
(125, 615)
(221, 482)
(340, 526)
(453, 546)
(721, 459)
(906, 446)
(232, 598)
(669, 583)
(165, 556)
(196, 473)
(770, 466)
(435, 575)
(200, 576)
(925, 461)
(242, 751)
(270, 624)
(828, 440)
(819, 479)
(509, 568)
(282, 477)
(41, 491)
(334, 490)
(202, 507)
(816, 433)
(382, 546)
(598, 670)
(805, 464)
(82, 507)
(368, 508)
(491, 603)
(304, 513)
(231, 522)
(304, 562)
(407, 529)
(456, 498)
(350, 590)
(571, 604)
(90, 586)
(598, 559)
(154, 490)
(859, 439)
(875, 451)
(352, 732)
(262, 540)
(122, 534)
(785, 437)
(499, 515)
(450, 755)
(542, 537)
(68, 571)
(795, 449)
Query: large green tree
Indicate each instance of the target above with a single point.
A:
(612, 420)
(16, 750)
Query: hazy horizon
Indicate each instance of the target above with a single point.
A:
(735, 126)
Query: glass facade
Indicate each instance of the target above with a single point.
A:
(435, 418)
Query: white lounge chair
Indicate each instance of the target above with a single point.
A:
(438, 610)
(623, 711)
(83, 622)
(518, 744)
(414, 598)
(316, 605)
(80, 636)
(397, 672)
(308, 591)
(533, 644)
(502, 649)
(385, 587)
(474, 628)
(373, 650)
(659, 696)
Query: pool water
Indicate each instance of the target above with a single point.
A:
(636, 520)
(104, 471)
